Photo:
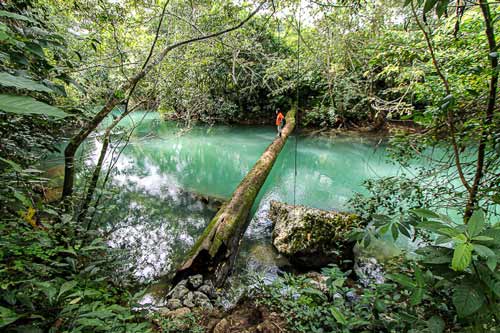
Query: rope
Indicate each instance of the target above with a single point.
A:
(297, 101)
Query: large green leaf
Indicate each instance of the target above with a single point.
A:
(7, 316)
(476, 223)
(339, 317)
(483, 251)
(422, 212)
(467, 299)
(15, 16)
(435, 324)
(20, 82)
(403, 280)
(462, 257)
(28, 105)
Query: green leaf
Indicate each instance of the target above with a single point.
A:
(67, 286)
(16, 167)
(491, 262)
(429, 4)
(7, 316)
(35, 49)
(419, 277)
(394, 231)
(483, 251)
(461, 238)
(28, 105)
(483, 238)
(416, 296)
(339, 317)
(435, 324)
(442, 7)
(462, 257)
(448, 231)
(21, 197)
(425, 213)
(435, 254)
(476, 223)
(20, 82)
(467, 299)
(402, 280)
(48, 289)
(16, 16)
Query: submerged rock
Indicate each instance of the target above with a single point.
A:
(312, 238)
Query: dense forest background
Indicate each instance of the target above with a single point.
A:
(424, 71)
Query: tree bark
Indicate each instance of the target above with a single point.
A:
(89, 127)
(490, 109)
(214, 253)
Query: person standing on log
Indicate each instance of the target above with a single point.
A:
(279, 121)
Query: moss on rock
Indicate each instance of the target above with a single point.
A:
(310, 237)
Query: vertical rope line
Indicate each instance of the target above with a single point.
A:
(297, 111)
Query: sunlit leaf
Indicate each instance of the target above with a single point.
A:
(461, 257)
(20, 82)
(28, 105)
(476, 223)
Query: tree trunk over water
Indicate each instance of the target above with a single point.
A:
(214, 253)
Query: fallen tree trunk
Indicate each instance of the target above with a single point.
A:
(214, 253)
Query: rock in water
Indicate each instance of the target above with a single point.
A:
(312, 238)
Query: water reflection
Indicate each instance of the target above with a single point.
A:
(156, 211)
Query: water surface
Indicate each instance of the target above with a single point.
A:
(155, 210)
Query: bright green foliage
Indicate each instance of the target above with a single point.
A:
(342, 308)
(28, 105)
(468, 268)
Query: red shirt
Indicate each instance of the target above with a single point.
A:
(279, 119)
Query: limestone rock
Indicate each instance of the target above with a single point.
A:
(174, 304)
(208, 290)
(196, 280)
(178, 292)
(201, 300)
(164, 311)
(222, 327)
(179, 312)
(318, 280)
(369, 271)
(189, 300)
(312, 238)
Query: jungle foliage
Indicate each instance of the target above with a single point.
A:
(431, 65)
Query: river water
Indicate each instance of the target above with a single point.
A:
(155, 210)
